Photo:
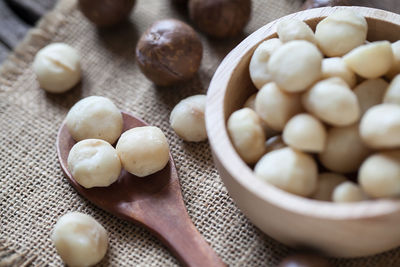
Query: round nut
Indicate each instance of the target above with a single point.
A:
(379, 175)
(371, 60)
(143, 150)
(220, 18)
(79, 239)
(187, 119)
(335, 67)
(295, 29)
(289, 170)
(247, 134)
(348, 192)
(344, 150)
(380, 126)
(94, 162)
(306, 133)
(395, 68)
(392, 94)
(295, 65)
(94, 117)
(169, 52)
(275, 107)
(258, 67)
(274, 143)
(327, 182)
(370, 93)
(333, 102)
(57, 67)
(304, 260)
(340, 32)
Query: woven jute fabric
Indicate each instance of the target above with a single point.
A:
(34, 192)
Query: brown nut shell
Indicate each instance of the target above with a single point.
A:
(220, 18)
(168, 52)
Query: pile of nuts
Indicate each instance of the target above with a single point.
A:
(328, 107)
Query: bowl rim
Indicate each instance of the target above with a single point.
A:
(223, 149)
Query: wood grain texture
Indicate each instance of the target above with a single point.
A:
(342, 230)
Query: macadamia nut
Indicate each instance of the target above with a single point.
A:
(295, 29)
(395, 69)
(187, 119)
(94, 117)
(289, 170)
(326, 184)
(276, 107)
(332, 101)
(57, 67)
(340, 32)
(251, 102)
(79, 239)
(379, 175)
(370, 93)
(306, 133)
(370, 60)
(247, 134)
(258, 67)
(348, 192)
(335, 67)
(295, 65)
(143, 150)
(344, 150)
(94, 162)
(392, 94)
(380, 126)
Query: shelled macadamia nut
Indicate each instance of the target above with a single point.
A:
(371, 60)
(276, 107)
(333, 102)
(327, 182)
(379, 175)
(289, 170)
(94, 117)
(380, 126)
(395, 68)
(57, 67)
(187, 119)
(340, 32)
(247, 134)
(370, 93)
(295, 29)
(258, 67)
(344, 150)
(295, 65)
(79, 239)
(274, 143)
(94, 162)
(143, 150)
(306, 133)
(335, 67)
(348, 192)
(392, 94)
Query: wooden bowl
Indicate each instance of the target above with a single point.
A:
(341, 230)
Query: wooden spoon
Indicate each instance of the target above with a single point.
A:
(154, 201)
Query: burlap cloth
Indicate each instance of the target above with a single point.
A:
(34, 192)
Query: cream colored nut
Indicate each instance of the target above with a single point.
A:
(370, 93)
(57, 67)
(258, 67)
(306, 133)
(274, 143)
(379, 175)
(94, 117)
(187, 119)
(295, 66)
(333, 102)
(370, 60)
(335, 67)
(94, 162)
(247, 134)
(380, 126)
(395, 68)
(327, 182)
(392, 94)
(344, 150)
(348, 192)
(289, 170)
(79, 239)
(143, 150)
(340, 32)
(294, 29)
(276, 107)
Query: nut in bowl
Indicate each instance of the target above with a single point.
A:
(338, 229)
